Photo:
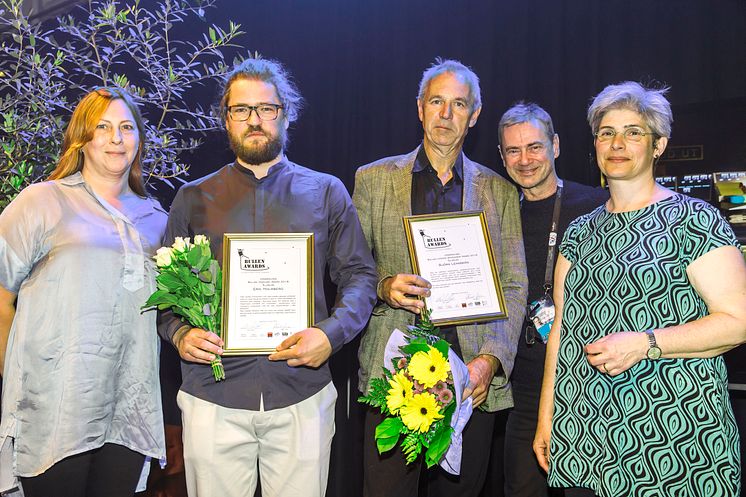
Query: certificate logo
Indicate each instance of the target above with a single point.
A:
(434, 242)
(251, 264)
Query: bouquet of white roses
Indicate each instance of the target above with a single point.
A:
(419, 397)
(190, 283)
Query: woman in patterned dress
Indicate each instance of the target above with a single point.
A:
(650, 291)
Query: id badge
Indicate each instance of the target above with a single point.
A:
(541, 314)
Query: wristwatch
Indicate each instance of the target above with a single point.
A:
(654, 352)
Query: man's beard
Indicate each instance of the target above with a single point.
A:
(256, 154)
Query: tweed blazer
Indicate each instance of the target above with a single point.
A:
(382, 196)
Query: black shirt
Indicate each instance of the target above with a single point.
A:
(430, 196)
(536, 219)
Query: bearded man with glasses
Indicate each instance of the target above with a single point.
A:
(273, 413)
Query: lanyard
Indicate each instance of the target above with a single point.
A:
(553, 239)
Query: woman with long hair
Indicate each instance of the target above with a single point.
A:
(81, 402)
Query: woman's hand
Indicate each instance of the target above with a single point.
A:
(617, 352)
(542, 441)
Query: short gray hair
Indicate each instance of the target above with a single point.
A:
(441, 66)
(650, 103)
(269, 71)
(524, 112)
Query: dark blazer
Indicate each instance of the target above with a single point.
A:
(382, 196)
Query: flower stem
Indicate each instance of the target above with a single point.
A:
(217, 369)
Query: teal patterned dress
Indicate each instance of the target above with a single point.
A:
(662, 428)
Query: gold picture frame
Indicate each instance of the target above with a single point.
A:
(453, 251)
(268, 290)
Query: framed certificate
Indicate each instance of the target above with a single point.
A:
(453, 251)
(268, 290)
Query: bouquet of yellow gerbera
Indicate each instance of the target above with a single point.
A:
(190, 284)
(419, 397)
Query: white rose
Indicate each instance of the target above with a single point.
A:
(180, 244)
(163, 257)
(201, 240)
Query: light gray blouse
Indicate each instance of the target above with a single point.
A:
(81, 367)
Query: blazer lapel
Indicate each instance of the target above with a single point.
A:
(401, 178)
(472, 186)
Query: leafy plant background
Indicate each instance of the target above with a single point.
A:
(45, 69)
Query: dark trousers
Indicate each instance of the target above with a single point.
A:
(523, 475)
(109, 471)
(388, 475)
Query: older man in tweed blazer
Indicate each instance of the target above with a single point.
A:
(389, 189)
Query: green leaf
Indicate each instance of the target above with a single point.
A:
(448, 413)
(438, 446)
(217, 275)
(414, 346)
(387, 434)
(187, 277)
(389, 427)
(169, 281)
(194, 256)
(213, 35)
(386, 444)
(412, 446)
(160, 297)
(186, 302)
(208, 289)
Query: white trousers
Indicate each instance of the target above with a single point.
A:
(290, 446)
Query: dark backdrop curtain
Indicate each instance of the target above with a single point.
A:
(358, 64)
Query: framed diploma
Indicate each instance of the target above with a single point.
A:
(268, 290)
(453, 251)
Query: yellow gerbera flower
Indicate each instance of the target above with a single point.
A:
(420, 412)
(400, 392)
(428, 368)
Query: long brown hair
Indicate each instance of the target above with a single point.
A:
(80, 130)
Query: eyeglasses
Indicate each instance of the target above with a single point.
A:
(266, 112)
(632, 134)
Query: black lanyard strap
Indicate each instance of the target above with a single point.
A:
(553, 238)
